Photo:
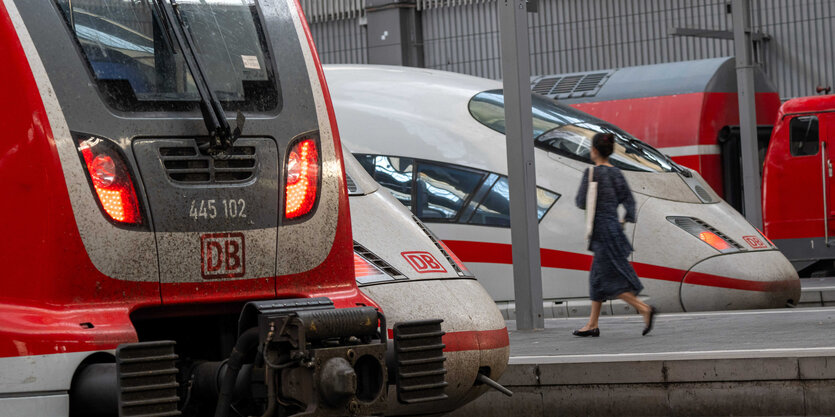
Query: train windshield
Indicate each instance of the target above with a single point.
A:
(567, 131)
(138, 66)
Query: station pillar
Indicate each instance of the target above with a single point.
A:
(395, 35)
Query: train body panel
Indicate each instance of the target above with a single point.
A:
(139, 227)
(412, 276)
(403, 154)
(798, 169)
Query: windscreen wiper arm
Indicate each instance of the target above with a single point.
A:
(221, 136)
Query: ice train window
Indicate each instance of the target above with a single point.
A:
(391, 172)
(567, 131)
(494, 209)
(804, 136)
(442, 191)
(137, 65)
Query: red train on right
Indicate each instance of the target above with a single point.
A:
(689, 111)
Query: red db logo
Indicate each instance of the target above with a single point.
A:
(423, 262)
(755, 242)
(222, 255)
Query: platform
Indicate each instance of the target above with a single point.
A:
(763, 362)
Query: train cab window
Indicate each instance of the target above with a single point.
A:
(391, 172)
(494, 209)
(567, 132)
(137, 66)
(442, 191)
(804, 136)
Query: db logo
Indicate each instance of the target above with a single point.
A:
(755, 242)
(222, 255)
(423, 262)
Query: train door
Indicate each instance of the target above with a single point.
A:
(826, 130)
(731, 156)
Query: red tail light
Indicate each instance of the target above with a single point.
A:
(302, 179)
(714, 240)
(111, 181)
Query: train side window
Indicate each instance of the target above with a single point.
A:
(391, 172)
(442, 191)
(494, 209)
(803, 132)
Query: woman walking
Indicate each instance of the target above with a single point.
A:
(611, 275)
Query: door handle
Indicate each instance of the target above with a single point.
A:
(829, 167)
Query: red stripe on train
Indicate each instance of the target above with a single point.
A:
(500, 253)
(472, 340)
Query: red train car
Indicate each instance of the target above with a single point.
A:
(798, 186)
(688, 110)
(157, 260)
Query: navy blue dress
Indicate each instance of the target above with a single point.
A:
(611, 273)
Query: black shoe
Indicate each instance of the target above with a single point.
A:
(595, 332)
(652, 313)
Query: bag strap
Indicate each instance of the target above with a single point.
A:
(591, 174)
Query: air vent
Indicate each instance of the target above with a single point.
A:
(147, 379)
(458, 270)
(419, 354)
(377, 261)
(185, 164)
(703, 194)
(585, 84)
(693, 226)
(545, 85)
(353, 187)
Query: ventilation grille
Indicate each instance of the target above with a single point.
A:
(185, 164)
(419, 353)
(693, 226)
(434, 240)
(147, 378)
(353, 188)
(568, 86)
(703, 194)
(377, 261)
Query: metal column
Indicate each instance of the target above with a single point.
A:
(743, 47)
(527, 274)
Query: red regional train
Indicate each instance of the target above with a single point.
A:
(689, 110)
(162, 260)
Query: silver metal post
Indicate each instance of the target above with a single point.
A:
(527, 274)
(743, 46)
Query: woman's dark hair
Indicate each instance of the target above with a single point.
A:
(604, 143)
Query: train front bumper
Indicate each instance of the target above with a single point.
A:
(742, 280)
(476, 335)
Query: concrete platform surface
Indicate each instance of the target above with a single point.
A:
(765, 362)
(754, 333)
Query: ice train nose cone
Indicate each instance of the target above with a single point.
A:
(743, 280)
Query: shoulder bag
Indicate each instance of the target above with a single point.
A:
(591, 204)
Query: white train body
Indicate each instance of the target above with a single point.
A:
(413, 277)
(417, 129)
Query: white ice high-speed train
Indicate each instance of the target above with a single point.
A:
(436, 140)
(413, 276)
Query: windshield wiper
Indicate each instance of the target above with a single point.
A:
(221, 135)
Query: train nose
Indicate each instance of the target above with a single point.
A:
(743, 280)
(476, 335)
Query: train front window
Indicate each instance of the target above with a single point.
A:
(804, 139)
(567, 131)
(138, 66)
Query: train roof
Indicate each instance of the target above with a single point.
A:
(716, 75)
(420, 113)
(808, 104)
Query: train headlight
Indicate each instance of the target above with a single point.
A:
(111, 180)
(706, 233)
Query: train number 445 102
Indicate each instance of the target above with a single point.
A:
(212, 209)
